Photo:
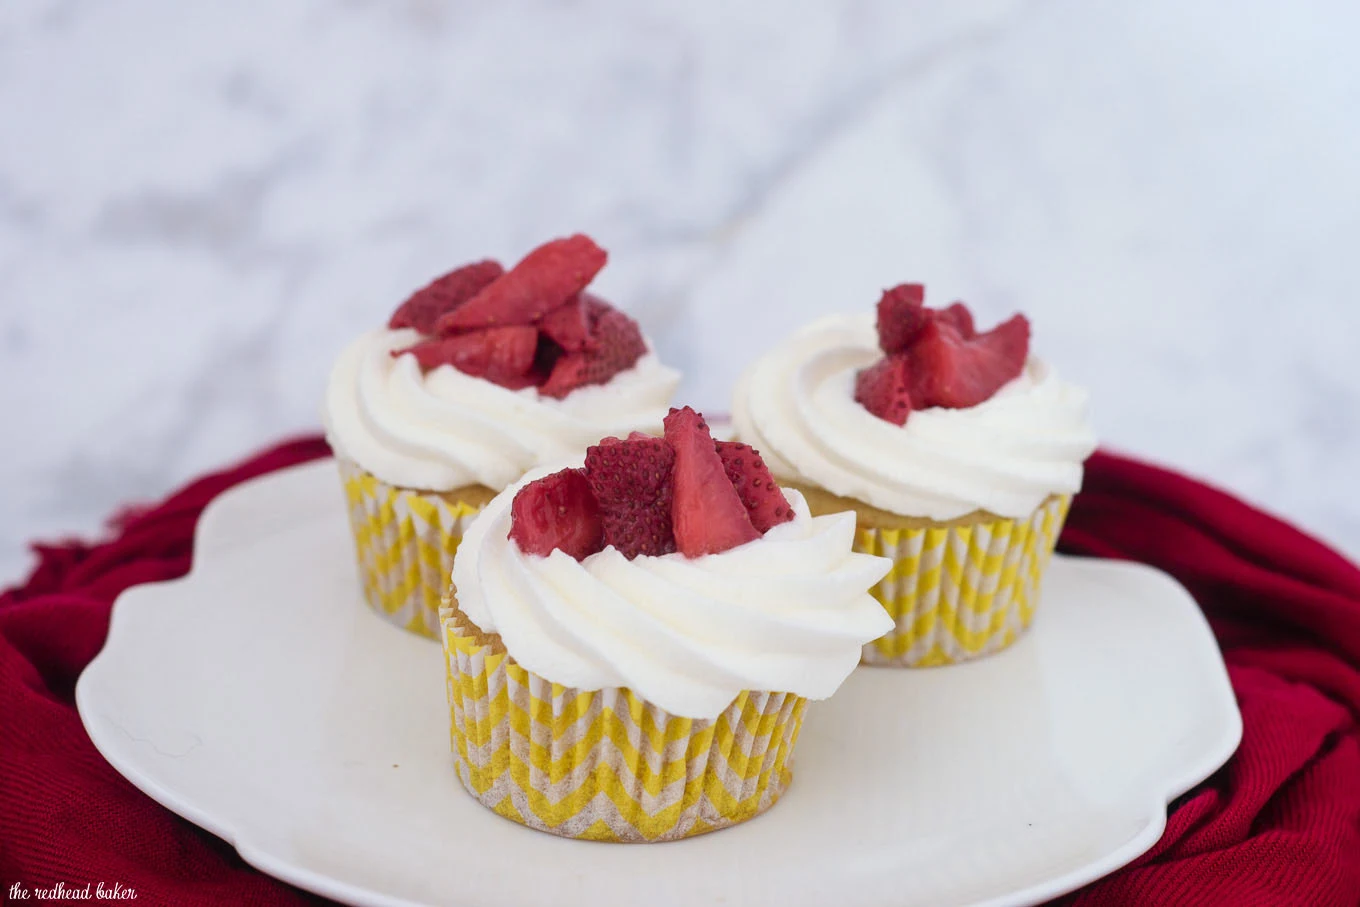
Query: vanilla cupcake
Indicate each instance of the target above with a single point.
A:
(631, 644)
(958, 452)
(477, 378)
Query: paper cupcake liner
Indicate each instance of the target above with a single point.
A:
(963, 591)
(605, 765)
(405, 542)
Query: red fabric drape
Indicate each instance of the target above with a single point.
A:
(1280, 824)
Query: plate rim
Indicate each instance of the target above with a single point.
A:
(94, 721)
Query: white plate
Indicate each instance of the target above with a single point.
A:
(258, 698)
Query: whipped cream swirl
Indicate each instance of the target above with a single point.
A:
(788, 612)
(444, 429)
(796, 405)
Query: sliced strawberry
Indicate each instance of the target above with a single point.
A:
(569, 372)
(631, 480)
(957, 316)
(632, 436)
(706, 513)
(764, 501)
(569, 325)
(502, 355)
(617, 345)
(950, 371)
(557, 511)
(546, 278)
(901, 315)
(884, 389)
(442, 295)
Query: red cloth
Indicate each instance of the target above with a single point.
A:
(1279, 825)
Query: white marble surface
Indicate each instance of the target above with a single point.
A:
(199, 204)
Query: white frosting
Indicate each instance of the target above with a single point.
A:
(788, 612)
(796, 405)
(445, 429)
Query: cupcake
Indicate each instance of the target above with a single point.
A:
(957, 451)
(476, 379)
(631, 643)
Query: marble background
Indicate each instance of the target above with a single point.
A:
(199, 204)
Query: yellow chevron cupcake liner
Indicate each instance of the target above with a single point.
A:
(960, 591)
(405, 542)
(605, 765)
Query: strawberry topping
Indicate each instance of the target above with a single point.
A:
(631, 481)
(557, 511)
(884, 389)
(901, 315)
(765, 503)
(653, 496)
(935, 357)
(503, 355)
(951, 371)
(442, 295)
(533, 326)
(546, 278)
(568, 326)
(615, 344)
(957, 316)
(708, 515)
